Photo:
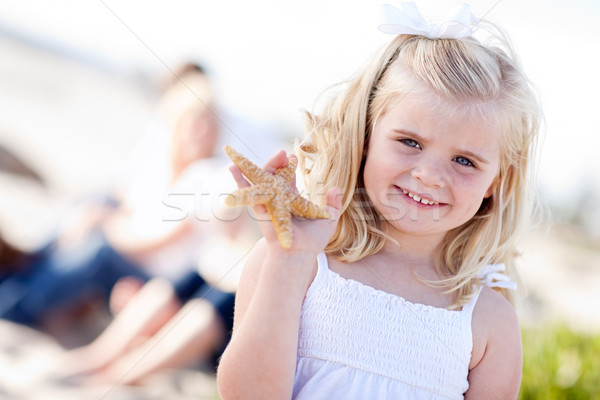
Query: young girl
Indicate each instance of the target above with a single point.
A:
(430, 148)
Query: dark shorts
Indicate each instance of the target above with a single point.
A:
(192, 285)
(59, 279)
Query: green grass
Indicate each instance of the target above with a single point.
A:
(559, 363)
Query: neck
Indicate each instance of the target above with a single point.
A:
(414, 249)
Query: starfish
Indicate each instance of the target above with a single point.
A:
(276, 192)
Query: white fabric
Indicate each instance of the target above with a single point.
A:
(159, 208)
(492, 276)
(408, 20)
(357, 342)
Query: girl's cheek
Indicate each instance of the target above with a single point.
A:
(476, 186)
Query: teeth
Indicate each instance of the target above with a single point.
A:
(419, 199)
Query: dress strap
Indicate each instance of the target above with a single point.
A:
(491, 276)
(322, 271)
(468, 308)
(322, 261)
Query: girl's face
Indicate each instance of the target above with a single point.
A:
(427, 170)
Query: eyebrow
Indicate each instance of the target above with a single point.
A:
(466, 153)
(474, 156)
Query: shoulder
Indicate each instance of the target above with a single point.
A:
(494, 320)
(497, 352)
(204, 172)
(494, 309)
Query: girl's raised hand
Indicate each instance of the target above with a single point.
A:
(308, 235)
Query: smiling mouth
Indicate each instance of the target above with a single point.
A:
(419, 199)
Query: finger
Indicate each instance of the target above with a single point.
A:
(334, 198)
(333, 203)
(259, 212)
(238, 177)
(278, 160)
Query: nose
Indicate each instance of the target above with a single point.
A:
(429, 171)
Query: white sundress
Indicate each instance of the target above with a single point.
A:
(357, 342)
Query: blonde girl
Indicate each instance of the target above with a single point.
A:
(425, 161)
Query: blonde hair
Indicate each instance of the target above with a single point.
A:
(489, 82)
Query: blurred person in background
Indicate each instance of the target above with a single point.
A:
(152, 225)
(162, 326)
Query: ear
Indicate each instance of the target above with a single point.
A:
(490, 191)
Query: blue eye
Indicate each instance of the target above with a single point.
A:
(411, 143)
(464, 161)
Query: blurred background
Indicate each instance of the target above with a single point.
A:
(79, 81)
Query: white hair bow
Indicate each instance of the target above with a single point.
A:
(408, 20)
(492, 276)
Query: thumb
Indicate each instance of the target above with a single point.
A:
(333, 203)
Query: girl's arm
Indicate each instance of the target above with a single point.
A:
(260, 360)
(495, 371)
